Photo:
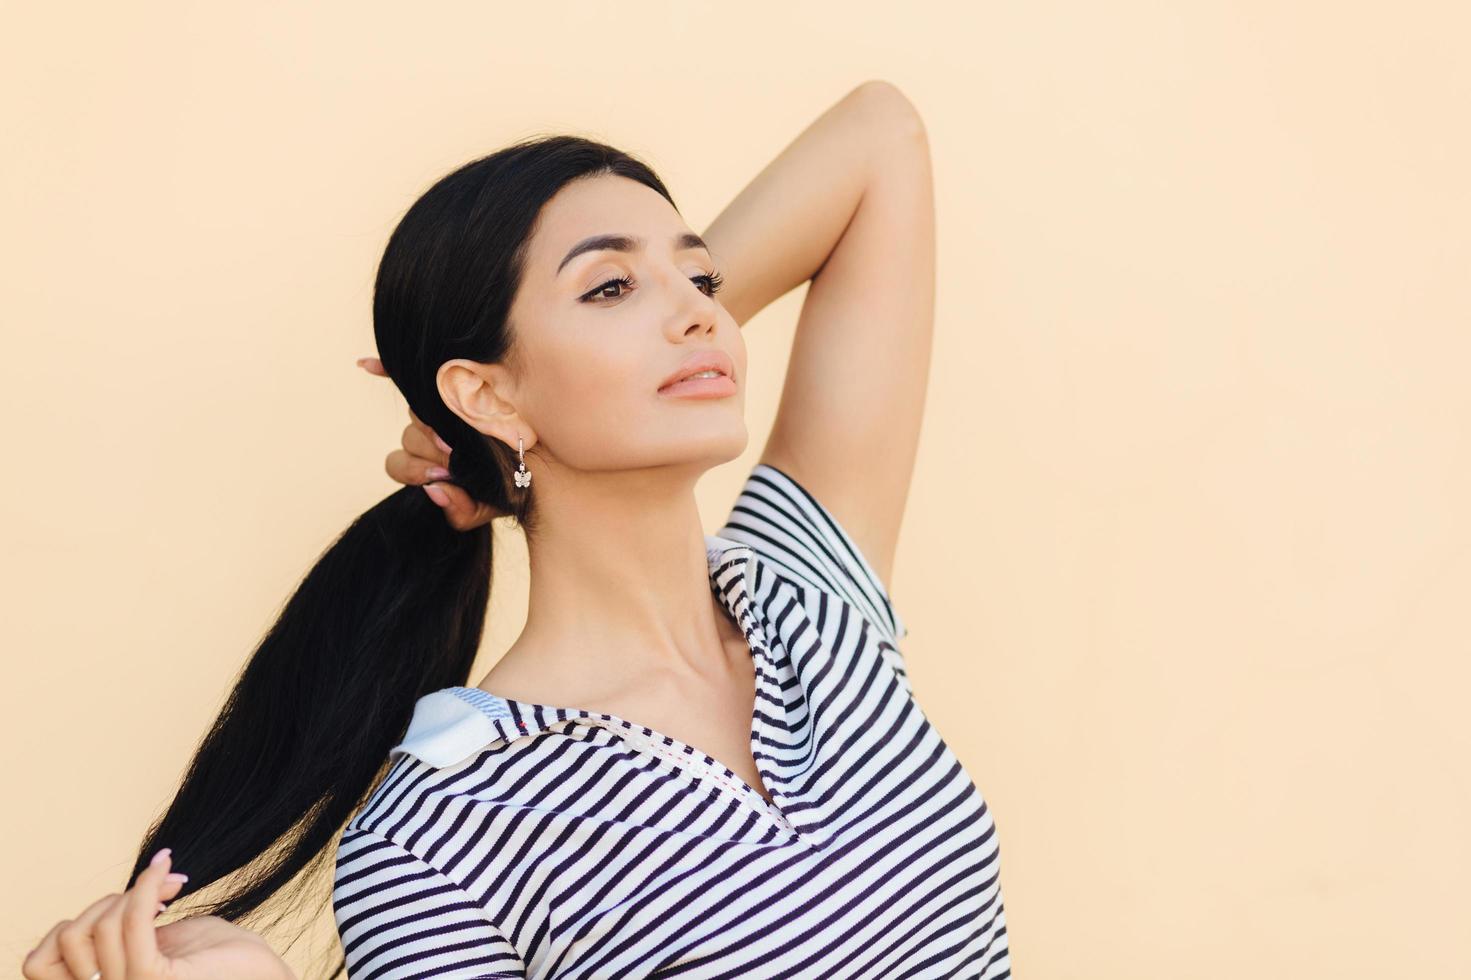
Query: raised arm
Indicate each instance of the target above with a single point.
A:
(849, 205)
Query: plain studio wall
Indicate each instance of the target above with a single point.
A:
(1187, 555)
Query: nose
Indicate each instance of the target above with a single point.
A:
(694, 312)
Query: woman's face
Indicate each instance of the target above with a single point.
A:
(593, 351)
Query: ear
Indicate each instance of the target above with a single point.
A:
(484, 396)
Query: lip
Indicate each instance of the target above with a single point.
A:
(704, 360)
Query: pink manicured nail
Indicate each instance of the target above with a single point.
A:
(442, 444)
(438, 473)
(437, 495)
(158, 858)
(178, 876)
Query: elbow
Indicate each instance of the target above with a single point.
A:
(891, 108)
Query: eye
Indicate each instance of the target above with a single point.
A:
(713, 281)
(624, 282)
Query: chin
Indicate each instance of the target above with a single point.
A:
(714, 448)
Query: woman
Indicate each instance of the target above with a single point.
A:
(702, 756)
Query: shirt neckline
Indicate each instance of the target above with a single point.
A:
(732, 566)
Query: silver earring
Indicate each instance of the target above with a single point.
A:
(522, 474)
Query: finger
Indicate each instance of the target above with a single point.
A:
(430, 434)
(141, 957)
(107, 933)
(75, 943)
(53, 959)
(480, 514)
(421, 441)
(462, 511)
(412, 471)
(45, 961)
(107, 940)
(373, 366)
(173, 884)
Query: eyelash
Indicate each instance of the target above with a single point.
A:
(713, 280)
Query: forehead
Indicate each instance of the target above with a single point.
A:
(601, 205)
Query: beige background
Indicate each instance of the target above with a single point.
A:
(1187, 557)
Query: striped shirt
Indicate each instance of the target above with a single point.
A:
(512, 839)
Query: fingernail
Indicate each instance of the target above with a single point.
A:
(436, 494)
(438, 473)
(176, 876)
(442, 444)
(160, 906)
(159, 857)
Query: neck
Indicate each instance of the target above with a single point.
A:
(620, 590)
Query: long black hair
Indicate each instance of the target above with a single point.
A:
(395, 607)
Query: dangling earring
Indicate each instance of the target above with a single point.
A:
(522, 474)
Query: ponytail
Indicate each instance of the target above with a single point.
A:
(394, 609)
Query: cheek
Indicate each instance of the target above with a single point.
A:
(607, 378)
(738, 352)
(592, 404)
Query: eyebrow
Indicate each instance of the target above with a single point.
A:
(627, 243)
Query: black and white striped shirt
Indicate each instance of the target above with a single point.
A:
(512, 839)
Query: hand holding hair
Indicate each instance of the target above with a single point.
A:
(423, 460)
(117, 936)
